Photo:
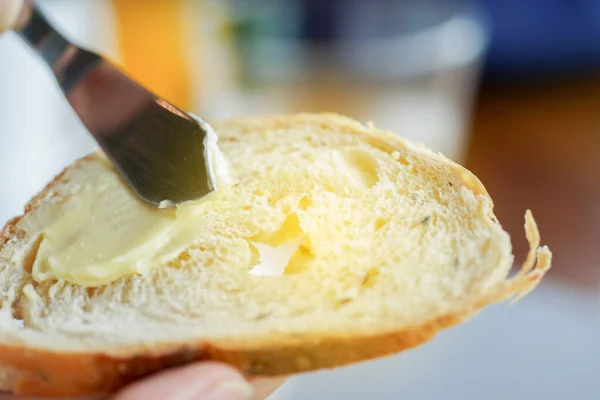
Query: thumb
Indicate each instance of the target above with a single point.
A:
(202, 381)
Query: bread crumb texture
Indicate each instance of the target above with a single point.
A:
(393, 243)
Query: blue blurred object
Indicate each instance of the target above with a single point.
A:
(543, 36)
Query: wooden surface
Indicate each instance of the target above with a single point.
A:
(537, 146)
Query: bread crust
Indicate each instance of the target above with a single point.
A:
(32, 371)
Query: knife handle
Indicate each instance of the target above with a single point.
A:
(68, 62)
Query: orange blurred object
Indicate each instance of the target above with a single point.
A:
(152, 37)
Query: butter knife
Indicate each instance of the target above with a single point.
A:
(162, 152)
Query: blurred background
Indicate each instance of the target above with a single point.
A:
(509, 88)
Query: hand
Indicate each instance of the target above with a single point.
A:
(201, 381)
(9, 13)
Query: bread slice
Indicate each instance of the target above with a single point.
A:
(396, 243)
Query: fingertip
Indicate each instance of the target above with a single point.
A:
(266, 386)
(199, 381)
(9, 13)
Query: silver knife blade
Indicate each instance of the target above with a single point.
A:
(161, 151)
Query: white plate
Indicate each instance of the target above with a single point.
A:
(545, 347)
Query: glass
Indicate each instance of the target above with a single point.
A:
(408, 66)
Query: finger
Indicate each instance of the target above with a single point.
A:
(263, 387)
(9, 12)
(201, 381)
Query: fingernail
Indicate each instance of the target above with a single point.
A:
(229, 390)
